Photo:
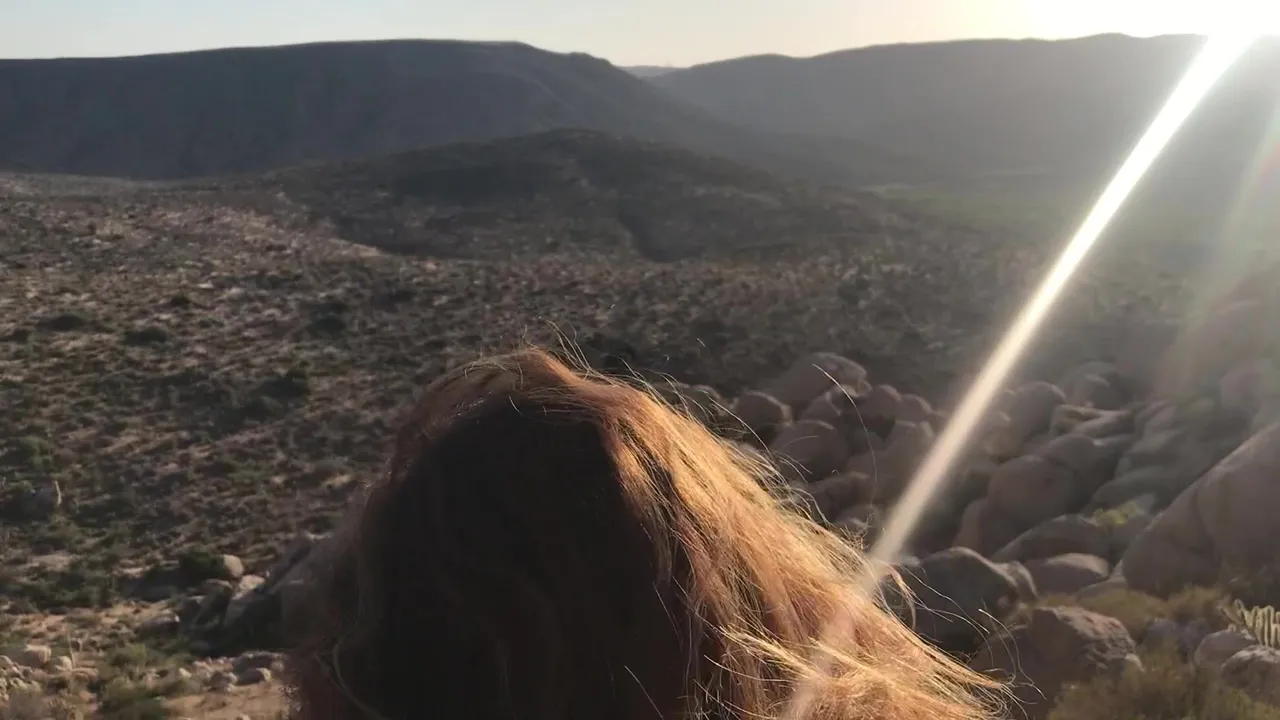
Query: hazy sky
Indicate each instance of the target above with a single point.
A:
(661, 32)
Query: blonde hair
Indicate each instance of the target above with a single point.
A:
(553, 544)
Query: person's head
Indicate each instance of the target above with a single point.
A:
(549, 545)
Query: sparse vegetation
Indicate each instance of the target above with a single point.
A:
(1136, 610)
(239, 395)
(1164, 688)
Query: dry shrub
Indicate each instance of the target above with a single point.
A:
(24, 705)
(1136, 610)
(1165, 688)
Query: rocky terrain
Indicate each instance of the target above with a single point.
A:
(195, 377)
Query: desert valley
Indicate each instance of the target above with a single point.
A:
(224, 274)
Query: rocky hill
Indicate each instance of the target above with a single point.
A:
(195, 377)
(247, 110)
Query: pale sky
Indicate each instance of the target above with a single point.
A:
(626, 32)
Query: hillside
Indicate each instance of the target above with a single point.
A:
(1002, 107)
(170, 342)
(569, 191)
(247, 110)
(197, 376)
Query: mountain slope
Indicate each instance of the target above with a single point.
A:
(248, 110)
(566, 191)
(992, 106)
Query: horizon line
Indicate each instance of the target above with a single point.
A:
(461, 41)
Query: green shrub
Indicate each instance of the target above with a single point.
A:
(198, 564)
(1165, 688)
(1136, 610)
(124, 700)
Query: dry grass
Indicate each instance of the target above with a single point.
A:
(1166, 688)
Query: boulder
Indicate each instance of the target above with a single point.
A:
(833, 404)
(1225, 519)
(958, 593)
(914, 409)
(1155, 480)
(812, 375)
(1217, 648)
(1255, 671)
(835, 494)
(1029, 414)
(1057, 647)
(1062, 535)
(1093, 461)
(904, 449)
(1030, 489)
(1068, 574)
(762, 413)
(984, 528)
(809, 450)
(1090, 422)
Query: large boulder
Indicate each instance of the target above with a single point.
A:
(834, 404)
(812, 375)
(809, 450)
(904, 449)
(1030, 412)
(1062, 535)
(1091, 422)
(984, 528)
(1092, 460)
(1256, 671)
(763, 414)
(957, 594)
(701, 402)
(1226, 519)
(1031, 489)
(1095, 391)
(1057, 647)
(835, 494)
(1160, 481)
(1217, 648)
(1068, 574)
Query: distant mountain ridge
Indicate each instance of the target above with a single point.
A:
(900, 114)
(982, 107)
(248, 110)
(647, 71)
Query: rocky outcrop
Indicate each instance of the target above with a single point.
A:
(1225, 519)
(1056, 647)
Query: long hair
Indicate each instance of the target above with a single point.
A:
(551, 545)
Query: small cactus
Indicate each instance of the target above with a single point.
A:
(1261, 623)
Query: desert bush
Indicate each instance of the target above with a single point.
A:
(1136, 610)
(24, 705)
(1164, 688)
(198, 564)
(125, 700)
(34, 452)
(290, 385)
(149, 335)
(64, 322)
